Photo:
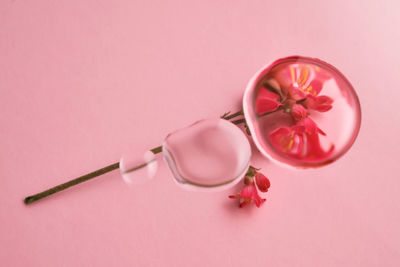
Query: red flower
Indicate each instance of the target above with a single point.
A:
(320, 103)
(300, 141)
(267, 101)
(299, 112)
(249, 192)
(313, 149)
(301, 81)
(300, 86)
(262, 182)
(289, 140)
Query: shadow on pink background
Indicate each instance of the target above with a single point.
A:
(82, 81)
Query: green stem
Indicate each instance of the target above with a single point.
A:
(239, 121)
(239, 113)
(81, 179)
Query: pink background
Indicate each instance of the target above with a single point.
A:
(82, 81)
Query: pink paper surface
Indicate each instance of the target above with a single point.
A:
(83, 81)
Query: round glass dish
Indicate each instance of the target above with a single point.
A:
(302, 112)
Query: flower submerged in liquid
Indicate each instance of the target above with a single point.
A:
(296, 89)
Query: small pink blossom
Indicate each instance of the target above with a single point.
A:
(249, 192)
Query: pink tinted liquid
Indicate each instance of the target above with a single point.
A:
(341, 123)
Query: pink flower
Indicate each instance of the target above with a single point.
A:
(313, 149)
(267, 101)
(249, 192)
(301, 81)
(300, 141)
(299, 112)
(289, 140)
(296, 88)
(262, 182)
(320, 103)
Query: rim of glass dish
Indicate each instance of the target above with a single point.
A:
(296, 163)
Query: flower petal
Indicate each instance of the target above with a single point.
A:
(288, 140)
(262, 182)
(267, 101)
(299, 112)
(296, 94)
(321, 103)
(314, 87)
(258, 201)
(313, 149)
(248, 191)
(248, 194)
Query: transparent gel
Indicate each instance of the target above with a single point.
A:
(209, 154)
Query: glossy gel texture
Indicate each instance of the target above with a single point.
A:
(138, 168)
(291, 132)
(211, 153)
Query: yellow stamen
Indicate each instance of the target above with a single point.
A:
(288, 145)
(304, 72)
(292, 74)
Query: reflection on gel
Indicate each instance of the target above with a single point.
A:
(211, 153)
(138, 168)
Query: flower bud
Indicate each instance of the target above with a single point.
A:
(262, 182)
